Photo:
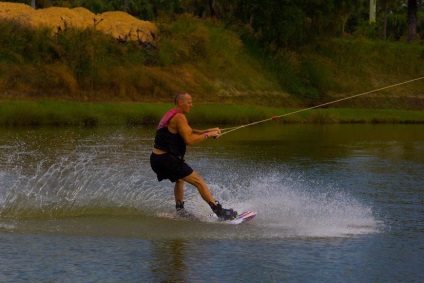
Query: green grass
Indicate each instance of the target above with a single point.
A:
(55, 113)
(65, 113)
(214, 62)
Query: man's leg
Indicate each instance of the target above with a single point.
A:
(197, 181)
(179, 198)
(179, 191)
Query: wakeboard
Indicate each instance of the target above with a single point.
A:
(240, 218)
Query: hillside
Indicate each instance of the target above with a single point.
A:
(92, 60)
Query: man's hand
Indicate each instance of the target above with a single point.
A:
(214, 132)
(214, 129)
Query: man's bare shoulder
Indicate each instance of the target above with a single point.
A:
(180, 118)
(178, 123)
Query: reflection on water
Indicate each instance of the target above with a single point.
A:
(169, 258)
(347, 192)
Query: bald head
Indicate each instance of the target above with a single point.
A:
(181, 95)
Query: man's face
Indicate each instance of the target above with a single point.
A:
(186, 103)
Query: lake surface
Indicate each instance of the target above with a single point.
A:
(335, 203)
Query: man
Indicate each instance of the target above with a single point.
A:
(167, 159)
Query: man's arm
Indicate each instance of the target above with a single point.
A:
(189, 135)
(206, 131)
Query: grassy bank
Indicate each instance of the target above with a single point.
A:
(217, 63)
(55, 113)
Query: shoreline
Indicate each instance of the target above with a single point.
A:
(87, 114)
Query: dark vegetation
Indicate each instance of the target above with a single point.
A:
(269, 53)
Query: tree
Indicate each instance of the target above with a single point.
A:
(412, 20)
(387, 5)
(373, 6)
(343, 10)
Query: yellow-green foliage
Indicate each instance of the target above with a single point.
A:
(214, 62)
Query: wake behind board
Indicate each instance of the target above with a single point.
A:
(241, 217)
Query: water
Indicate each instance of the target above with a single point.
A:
(336, 203)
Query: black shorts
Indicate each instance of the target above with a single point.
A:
(168, 166)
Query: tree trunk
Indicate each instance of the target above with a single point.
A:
(385, 20)
(251, 18)
(33, 4)
(126, 4)
(212, 8)
(412, 20)
(373, 8)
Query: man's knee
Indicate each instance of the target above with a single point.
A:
(194, 179)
